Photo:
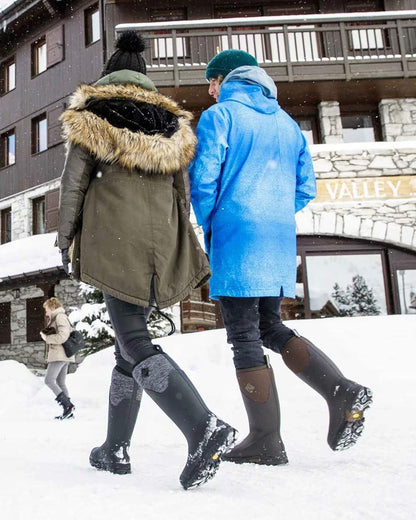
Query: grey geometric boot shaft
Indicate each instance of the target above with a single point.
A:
(123, 407)
(207, 436)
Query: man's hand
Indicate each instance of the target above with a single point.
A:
(65, 260)
(43, 336)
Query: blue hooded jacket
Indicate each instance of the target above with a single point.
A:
(251, 173)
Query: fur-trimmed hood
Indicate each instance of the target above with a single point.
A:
(164, 153)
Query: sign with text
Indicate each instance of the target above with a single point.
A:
(366, 188)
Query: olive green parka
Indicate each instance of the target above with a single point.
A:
(123, 203)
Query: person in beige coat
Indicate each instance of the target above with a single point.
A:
(55, 334)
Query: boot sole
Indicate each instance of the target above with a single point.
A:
(112, 467)
(62, 418)
(353, 426)
(256, 459)
(208, 464)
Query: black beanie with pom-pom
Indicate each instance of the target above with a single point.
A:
(129, 47)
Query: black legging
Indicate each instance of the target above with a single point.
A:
(129, 321)
(252, 323)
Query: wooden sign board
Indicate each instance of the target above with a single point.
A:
(366, 188)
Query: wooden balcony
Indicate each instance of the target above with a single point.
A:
(292, 48)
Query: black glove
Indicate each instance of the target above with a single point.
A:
(65, 260)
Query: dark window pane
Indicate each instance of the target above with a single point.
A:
(34, 318)
(357, 128)
(5, 318)
(6, 225)
(39, 216)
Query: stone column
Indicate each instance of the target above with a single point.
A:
(330, 122)
(398, 119)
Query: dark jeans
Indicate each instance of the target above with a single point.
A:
(133, 343)
(252, 323)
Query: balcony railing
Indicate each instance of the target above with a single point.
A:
(291, 48)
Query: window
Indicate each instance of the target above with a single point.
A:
(8, 148)
(39, 56)
(92, 24)
(39, 216)
(39, 134)
(48, 50)
(8, 76)
(357, 128)
(352, 283)
(35, 320)
(308, 128)
(5, 325)
(6, 225)
(406, 281)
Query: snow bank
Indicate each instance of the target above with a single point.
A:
(45, 462)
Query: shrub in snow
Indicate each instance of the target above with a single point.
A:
(93, 321)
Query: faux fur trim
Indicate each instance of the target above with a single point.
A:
(148, 153)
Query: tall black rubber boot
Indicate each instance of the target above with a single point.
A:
(207, 436)
(68, 407)
(263, 445)
(123, 406)
(346, 399)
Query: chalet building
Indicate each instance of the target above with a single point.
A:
(345, 70)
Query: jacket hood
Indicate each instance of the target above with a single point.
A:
(251, 86)
(126, 76)
(121, 119)
(55, 312)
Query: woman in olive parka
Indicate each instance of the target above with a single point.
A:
(124, 226)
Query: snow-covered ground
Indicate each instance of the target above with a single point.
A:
(44, 472)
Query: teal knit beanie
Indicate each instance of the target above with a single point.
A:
(226, 61)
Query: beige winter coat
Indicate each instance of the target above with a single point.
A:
(55, 350)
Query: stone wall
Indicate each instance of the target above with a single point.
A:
(330, 121)
(388, 220)
(398, 119)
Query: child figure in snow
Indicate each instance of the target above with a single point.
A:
(123, 212)
(252, 172)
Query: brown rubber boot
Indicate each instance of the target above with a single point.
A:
(263, 444)
(346, 400)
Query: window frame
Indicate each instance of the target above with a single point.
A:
(360, 112)
(35, 321)
(36, 45)
(6, 213)
(5, 76)
(5, 148)
(36, 205)
(35, 133)
(314, 125)
(5, 323)
(88, 24)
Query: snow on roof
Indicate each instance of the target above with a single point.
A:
(4, 4)
(28, 255)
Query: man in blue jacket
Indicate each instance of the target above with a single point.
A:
(251, 174)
